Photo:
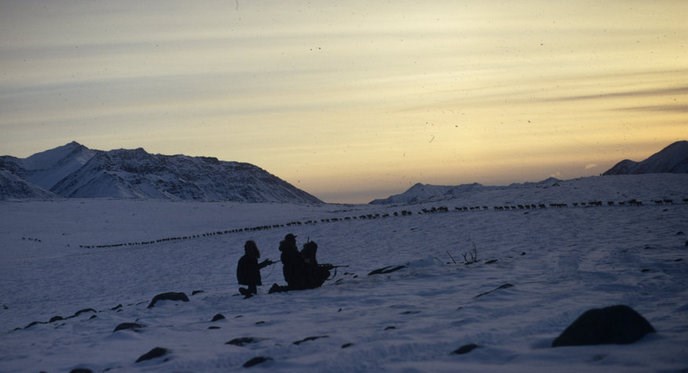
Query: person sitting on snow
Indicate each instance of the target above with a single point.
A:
(248, 269)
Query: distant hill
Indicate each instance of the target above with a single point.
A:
(421, 193)
(74, 171)
(672, 159)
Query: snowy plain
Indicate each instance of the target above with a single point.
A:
(64, 256)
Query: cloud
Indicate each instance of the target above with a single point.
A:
(625, 94)
(683, 109)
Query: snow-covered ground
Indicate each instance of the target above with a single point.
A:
(559, 261)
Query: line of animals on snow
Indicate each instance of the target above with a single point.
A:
(433, 210)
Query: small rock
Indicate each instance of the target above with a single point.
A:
(56, 318)
(465, 349)
(255, 361)
(347, 345)
(491, 261)
(80, 370)
(128, 326)
(310, 339)
(218, 317)
(243, 341)
(390, 327)
(117, 307)
(174, 296)
(153, 354)
(197, 292)
(214, 327)
(85, 310)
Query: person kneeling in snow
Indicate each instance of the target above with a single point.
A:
(301, 269)
(315, 274)
(248, 269)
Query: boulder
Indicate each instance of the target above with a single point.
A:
(618, 324)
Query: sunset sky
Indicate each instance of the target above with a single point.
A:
(352, 100)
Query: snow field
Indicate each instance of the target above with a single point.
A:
(560, 262)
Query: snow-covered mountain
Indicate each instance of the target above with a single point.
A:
(672, 159)
(15, 187)
(74, 171)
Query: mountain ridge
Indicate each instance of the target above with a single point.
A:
(75, 171)
(671, 159)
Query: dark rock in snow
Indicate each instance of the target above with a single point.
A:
(214, 327)
(56, 318)
(80, 370)
(197, 292)
(465, 349)
(310, 339)
(387, 269)
(85, 310)
(243, 341)
(153, 354)
(255, 361)
(347, 345)
(117, 307)
(390, 328)
(218, 317)
(128, 326)
(168, 296)
(491, 261)
(618, 324)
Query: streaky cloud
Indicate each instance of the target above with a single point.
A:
(625, 94)
(658, 108)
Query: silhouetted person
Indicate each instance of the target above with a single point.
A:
(292, 263)
(315, 274)
(248, 269)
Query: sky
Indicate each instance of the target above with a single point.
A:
(352, 100)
